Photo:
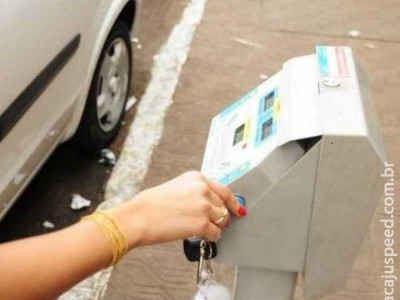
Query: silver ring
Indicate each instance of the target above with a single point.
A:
(224, 214)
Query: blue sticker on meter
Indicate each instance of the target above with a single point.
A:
(235, 174)
(322, 60)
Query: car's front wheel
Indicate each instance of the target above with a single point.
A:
(108, 92)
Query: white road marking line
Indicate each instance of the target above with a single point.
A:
(145, 132)
(147, 127)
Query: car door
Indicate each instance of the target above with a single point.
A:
(43, 54)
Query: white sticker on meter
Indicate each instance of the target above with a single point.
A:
(242, 133)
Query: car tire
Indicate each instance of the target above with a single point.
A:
(109, 90)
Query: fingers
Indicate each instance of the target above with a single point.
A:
(226, 195)
(215, 199)
(213, 232)
(211, 196)
(219, 215)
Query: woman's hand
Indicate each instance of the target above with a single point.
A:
(186, 206)
(189, 205)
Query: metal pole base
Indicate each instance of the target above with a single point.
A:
(261, 284)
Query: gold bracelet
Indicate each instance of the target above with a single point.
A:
(114, 234)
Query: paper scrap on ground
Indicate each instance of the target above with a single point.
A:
(370, 45)
(130, 103)
(78, 202)
(19, 178)
(53, 133)
(136, 41)
(107, 157)
(246, 42)
(354, 33)
(48, 225)
(145, 132)
(263, 76)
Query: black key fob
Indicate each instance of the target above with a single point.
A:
(191, 247)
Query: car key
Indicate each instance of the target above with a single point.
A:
(207, 288)
(204, 261)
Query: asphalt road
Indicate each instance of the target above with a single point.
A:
(48, 197)
(67, 172)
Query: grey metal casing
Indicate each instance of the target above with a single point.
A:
(310, 207)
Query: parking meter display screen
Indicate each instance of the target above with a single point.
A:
(269, 100)
(243, 133)
(266, 129)
(239, 135)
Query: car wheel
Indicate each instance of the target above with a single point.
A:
(105, 105)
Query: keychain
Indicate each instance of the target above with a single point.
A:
(207, 288)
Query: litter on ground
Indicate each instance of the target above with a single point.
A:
(354, 33)
(107, 157)
(136, 41)
(48, 225)
(130, 103)
(370, 45)
(263, 76)
(19, 178)
(78, 202)
(246, 42)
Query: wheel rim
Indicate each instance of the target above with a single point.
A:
(112, 85)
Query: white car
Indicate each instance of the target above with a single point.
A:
(65, 70)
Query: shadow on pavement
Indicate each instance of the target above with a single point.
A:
(48, 196)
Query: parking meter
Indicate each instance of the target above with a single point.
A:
(305, 150)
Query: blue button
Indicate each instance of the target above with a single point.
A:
(240, 199)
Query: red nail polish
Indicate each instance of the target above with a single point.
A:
(242, 211)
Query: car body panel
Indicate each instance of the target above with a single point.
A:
(104, 24)
(34, 33)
